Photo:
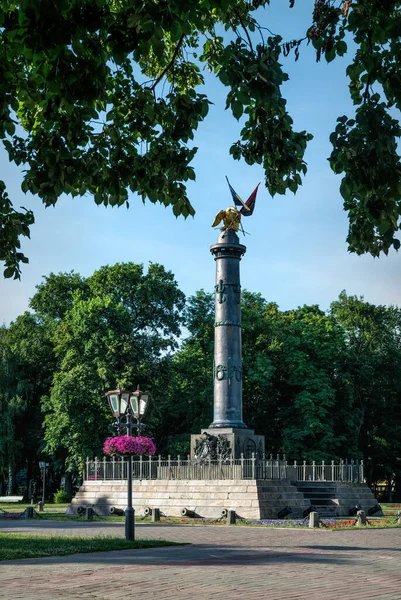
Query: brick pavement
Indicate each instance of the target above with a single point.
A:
(233, 563)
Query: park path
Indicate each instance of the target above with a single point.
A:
(232, 563)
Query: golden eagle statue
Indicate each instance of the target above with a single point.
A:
(231, 218)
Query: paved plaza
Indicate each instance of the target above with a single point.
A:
(234, 563)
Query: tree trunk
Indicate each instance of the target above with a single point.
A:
(27, 490)
(12, 483)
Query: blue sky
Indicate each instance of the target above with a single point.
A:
(296, 248)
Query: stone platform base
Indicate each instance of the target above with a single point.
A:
(241, 441)
(251, 499)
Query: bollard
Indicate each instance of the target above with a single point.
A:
(155, 515)
(231, 517)
(185, 512)
(29, 512)
(147, 512)
(41, 506)
(361, 518)
(224, 512)
(314, 519)
(88, 513)
(399, 517)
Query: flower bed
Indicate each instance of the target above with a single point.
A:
(324, 522)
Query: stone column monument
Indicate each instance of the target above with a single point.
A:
(227, 435)
(227, 333)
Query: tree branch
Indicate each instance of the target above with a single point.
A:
(246, 31)
(170, 64)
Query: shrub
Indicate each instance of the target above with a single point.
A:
(60, 497)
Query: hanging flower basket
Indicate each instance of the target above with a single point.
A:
(124, 445)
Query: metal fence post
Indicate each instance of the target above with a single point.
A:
(95, 468)
(104, 468)
(332, 470)
(113, 468)
(159, 467)
(323, 471)
(87, 468)
(253, 465)
(361, 473)
(242, 465)
(304, 470)
(140, 466)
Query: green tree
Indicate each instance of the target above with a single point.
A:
(9, 405)
(27, 368)
(374, 359)
(85, 109)
(120, 330)
(54, 295)
(295, 381)
(188, 403)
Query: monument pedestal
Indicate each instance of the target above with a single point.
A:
(226, 442)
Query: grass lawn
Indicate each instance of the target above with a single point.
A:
(16, 507)
(390, 508)
(14, 546)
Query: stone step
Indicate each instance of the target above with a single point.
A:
(278, 496)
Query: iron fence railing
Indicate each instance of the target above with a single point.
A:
(156, 467)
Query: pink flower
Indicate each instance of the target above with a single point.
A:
(123, 444)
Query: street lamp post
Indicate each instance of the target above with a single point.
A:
(131, 405)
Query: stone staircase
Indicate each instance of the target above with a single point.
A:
(335, 499)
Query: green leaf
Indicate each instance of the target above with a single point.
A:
(341, 48)
(345, 190)
(243, 97)
(237, 109)
(330, 55)
(10, 127)
(224, 78)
